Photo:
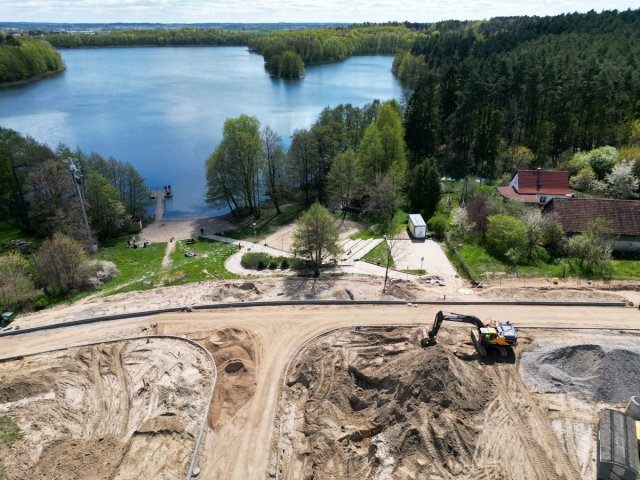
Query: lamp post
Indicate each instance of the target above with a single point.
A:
(386, 273)
(421, 260)
(76, 175)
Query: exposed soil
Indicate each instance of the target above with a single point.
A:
(550, 293)
(129, 409)
(370, 403)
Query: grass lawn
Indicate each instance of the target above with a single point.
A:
(268, 222)
(378, 256)
(138, 267)
(485, 265)
(208, 265)
(378, 230)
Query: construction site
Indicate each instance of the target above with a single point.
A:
(320, 391)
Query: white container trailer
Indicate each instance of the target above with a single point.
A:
(417, 226)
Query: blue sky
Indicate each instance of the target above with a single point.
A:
(193, 11)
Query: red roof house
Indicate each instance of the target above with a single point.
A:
(537, 186)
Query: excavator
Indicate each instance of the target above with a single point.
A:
(501, 336)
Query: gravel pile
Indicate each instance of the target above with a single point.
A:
(592, 372)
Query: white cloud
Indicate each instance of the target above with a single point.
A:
(201, 11)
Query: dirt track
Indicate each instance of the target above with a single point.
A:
(276, 333)
(130, 409)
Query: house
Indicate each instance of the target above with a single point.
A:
(577, 214)
(537, 186)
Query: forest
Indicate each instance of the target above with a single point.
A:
(37, 192)
(493, 96)
(22, 59)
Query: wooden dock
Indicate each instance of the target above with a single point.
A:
(159, 212)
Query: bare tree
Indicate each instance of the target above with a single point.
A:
(344, 179)
(396, 251)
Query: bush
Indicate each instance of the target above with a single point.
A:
(63, 264)
(285, 264)
(252, 260)
(261, 264)
(16, 282)
(100, 272)
(273, 264)
(505, 233)
(438, 225)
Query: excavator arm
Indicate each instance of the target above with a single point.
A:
(430, 338)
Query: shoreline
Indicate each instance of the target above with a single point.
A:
(35, 78)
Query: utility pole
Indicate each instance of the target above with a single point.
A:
(76, 175)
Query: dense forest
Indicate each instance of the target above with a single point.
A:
(329, 45)
(22, 59)
(160, 38)
(37, 193)
(496, 95)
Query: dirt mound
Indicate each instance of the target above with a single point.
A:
(20, 388)
(244, 291)
(76, 459)
(591, 372)
(389, 407)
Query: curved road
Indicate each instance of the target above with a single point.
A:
(280, 331)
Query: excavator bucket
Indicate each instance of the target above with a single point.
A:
(482, 351)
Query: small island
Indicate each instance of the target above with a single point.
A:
(25, 60)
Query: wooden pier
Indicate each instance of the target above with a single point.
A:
(159, 196)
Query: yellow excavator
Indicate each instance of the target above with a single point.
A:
(501, 336)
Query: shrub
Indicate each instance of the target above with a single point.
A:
(252, 260)
(261, 264)
(273, 264)
(16, 282)
(100, 272)
(63, 264)
(505, 233)
(285, 264)
(438, 225)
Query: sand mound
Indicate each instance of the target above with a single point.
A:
(75, 459)
(591, 372)
(235, 292)
(550, 294)
(392, 407)
(24, 388)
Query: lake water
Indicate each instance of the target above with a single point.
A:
(162, 109)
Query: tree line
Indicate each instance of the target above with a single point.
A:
(351, 158)
(22, 59)
(492, 96)
(38, 195)
(285, 53)
(187, 36)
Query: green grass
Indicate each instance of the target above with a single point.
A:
(484, 265)
(268, 222)
(378, 256)
(8, 232)
(415, 271)
(379, 230)
(208, 265)
(139, 268)
(9, 432)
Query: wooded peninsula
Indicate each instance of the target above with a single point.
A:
(22, 59)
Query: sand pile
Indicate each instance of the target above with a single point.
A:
(392, 407)
(591, 372)
(550, 294)
(234, 292)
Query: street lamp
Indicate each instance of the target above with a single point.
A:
(76, 175)
(421, 260)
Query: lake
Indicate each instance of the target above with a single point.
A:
(162, 109)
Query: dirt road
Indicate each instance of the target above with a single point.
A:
(277, 333)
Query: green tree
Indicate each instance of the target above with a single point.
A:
(233, 170)
(107, 213)
(382, 200)
(422, 119)
(275, 165)
(424, 189)
(63, 264)
(592, 254)
(316, 237)
(344, 179)
(602, 160)
(505, 233)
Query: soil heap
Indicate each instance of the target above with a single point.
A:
(393, 407)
